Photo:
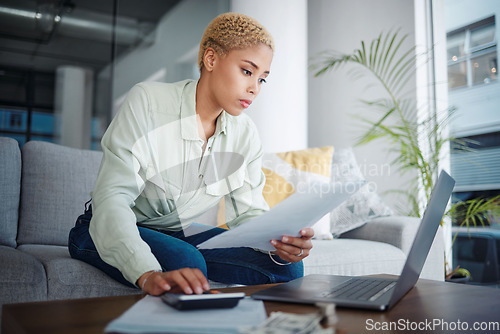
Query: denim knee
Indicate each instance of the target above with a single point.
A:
(172, 253)
(189, 257)
(249, 267)
(294, 270)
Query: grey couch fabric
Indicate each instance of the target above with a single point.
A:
(10, 187)
(22, 277)
(69, 278)
(56, 182)
(48, 185)
(400, 232)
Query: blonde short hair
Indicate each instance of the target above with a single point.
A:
(230, 31)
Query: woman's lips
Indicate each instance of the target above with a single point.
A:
(245, 103)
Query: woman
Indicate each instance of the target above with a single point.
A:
(172, 152)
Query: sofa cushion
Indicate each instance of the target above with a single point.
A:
(353, 257)
(10, 183)
(56, 183)
(22, 277)
(70, 278)
(290, 172)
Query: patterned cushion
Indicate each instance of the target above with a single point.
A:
(360, 207)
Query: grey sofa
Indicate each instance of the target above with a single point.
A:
(43, 189)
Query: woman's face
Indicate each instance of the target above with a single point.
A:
(238, 76)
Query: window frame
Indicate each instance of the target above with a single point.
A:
(473, 52)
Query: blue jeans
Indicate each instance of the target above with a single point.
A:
(174, 250)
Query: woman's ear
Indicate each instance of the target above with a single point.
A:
(209, 58)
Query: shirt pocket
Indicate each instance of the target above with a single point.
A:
(161, 185)
(225, 172)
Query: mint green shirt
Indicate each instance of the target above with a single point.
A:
(154, 173)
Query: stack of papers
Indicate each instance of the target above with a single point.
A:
(152, 315)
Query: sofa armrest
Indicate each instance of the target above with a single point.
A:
(398, 231)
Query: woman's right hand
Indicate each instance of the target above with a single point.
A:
(185, 280)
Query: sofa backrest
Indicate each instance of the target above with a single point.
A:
(56, 182)
(10, 183)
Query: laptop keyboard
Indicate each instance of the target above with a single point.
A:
(360, 289)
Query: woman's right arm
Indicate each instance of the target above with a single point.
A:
(113, 226)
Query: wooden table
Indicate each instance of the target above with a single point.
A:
(429, 307)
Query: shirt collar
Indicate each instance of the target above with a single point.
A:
(221, 125)
(189, 127)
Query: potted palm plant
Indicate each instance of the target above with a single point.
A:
(420, 142)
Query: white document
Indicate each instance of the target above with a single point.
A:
(301, 209)
(152, 315)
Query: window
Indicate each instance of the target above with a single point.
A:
(473, 86)
(477, 252)
(26, 104)
(17, 121)
(472, 55)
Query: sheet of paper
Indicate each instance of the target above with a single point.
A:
(152, 315)
(301, 209)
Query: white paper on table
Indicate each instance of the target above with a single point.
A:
(299, 210)
(152, 315)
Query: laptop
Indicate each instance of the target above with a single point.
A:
(370, 292)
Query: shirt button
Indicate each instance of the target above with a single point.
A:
(200, 176)
(209, 148)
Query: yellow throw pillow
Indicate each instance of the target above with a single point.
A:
(314, 160)
(276, 189)
(292, 171)
(288, 171)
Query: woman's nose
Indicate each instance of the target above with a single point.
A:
(253, 87)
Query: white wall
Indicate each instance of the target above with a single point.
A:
(280, 110)
(334, 98)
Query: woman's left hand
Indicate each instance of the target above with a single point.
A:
(294, 249)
